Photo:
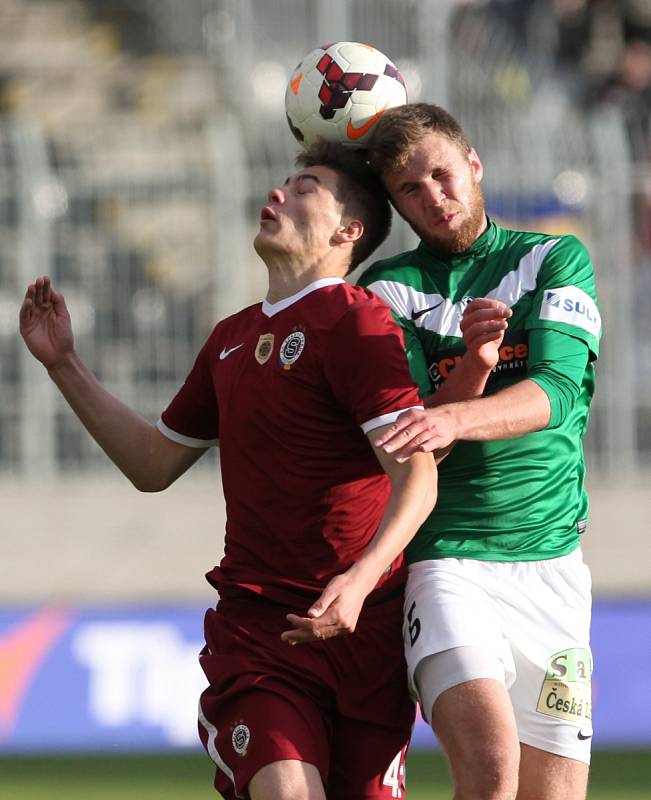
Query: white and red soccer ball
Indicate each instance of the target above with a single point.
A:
(339, 91)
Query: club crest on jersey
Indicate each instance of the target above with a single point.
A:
(240, 739)
(264, 348)
(291, 349)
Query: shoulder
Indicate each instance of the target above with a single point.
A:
(238, 318)
(566, 255)
(544, 257)
(357, 305)
(569, 244)
(344, 314)
(233, 325)
(541, 241)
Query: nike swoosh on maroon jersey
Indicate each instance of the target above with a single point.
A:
(226, 352)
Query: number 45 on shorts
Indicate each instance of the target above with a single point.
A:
(394, 777)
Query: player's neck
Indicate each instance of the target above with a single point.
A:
(287, 279)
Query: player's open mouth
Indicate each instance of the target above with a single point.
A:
(267, 213)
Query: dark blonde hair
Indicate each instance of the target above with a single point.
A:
(400, 128)
(359, 190)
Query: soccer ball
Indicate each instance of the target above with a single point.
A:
(339, 91)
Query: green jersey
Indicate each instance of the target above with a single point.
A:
(506, 500)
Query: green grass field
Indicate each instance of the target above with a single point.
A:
(616, 775)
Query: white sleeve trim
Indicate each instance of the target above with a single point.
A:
(188, 441)
(385, 419)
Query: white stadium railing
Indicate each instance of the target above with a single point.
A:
(135, 179)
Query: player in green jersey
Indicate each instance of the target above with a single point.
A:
(498, 599)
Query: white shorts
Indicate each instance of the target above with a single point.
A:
(533, 617)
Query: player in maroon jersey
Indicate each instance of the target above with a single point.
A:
(290, 387)
(293, 389)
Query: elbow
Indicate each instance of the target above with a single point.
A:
(560, 395)
(149, 483)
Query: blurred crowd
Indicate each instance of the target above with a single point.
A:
(608, 44)
(601, 50)
(601, 47)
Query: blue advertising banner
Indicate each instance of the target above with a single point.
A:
(128, 679)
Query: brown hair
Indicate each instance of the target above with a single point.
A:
(360, 190)
(400, 128)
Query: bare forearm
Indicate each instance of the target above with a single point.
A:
(125, 436)
(150, 460)
(519, 409)
(467, 380)
(413, 496)
(337, 610)
(483, 325)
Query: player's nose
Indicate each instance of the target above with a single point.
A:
(433, 193)
(276, 195)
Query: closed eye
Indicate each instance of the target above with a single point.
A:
(306, 182)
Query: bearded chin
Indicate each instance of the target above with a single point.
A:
(460, 240)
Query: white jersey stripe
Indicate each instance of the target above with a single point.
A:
(440, 315)
(211, 746)
(514, 285)
(385, 419)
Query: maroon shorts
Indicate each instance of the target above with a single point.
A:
(341, 704)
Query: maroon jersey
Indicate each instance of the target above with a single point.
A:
(289, 391)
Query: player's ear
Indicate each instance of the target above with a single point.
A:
(351, 231)
(475, 163)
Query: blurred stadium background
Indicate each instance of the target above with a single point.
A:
(138, 139)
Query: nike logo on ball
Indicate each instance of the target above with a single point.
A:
(224, 353)
(418, 314)
(356, 133)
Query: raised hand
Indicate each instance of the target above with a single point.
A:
(45, 323)
(483, 326)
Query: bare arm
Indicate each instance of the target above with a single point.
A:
(413, 495)
(521, 408)
(147, 458)
(483, 326)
